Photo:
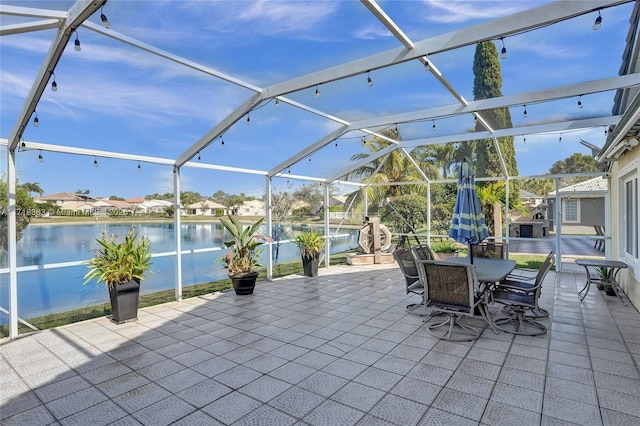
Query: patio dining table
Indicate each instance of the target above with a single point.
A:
(489, 270)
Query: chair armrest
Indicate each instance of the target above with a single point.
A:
(520, 274)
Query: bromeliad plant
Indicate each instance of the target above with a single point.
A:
(310, 243)
(243, 257)
(118, 262)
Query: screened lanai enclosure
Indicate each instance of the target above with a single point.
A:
(133, 98)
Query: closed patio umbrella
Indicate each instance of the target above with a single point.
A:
(467, 224)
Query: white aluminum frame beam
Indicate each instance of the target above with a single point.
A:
(32, 12)
(530, 19)
(76, 15)
(26, 27)
(523, 21)
(565, 126)
(519, 99)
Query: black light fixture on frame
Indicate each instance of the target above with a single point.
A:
(598, 22)
(76, 43)
(103, 18)
(503, 52)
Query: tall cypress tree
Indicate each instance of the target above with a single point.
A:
(487, 84)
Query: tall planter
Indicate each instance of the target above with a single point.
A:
(245, 284)
(310, 265)
(124, 301)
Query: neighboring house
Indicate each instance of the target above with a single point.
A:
(252, 208)
(135, 203)
(583, 204)
(530, 199)
(153, 206)
(207, 208)
(65, 200)
(106, 207)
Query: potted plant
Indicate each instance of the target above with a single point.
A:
(311, 244)
(445, 249)
(243, 257)
(606, 276)
(121, 265)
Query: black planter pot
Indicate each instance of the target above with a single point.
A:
(310, 265)
(245, 284)
(124, 301)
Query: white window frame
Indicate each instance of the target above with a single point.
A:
(629, 183)
(564, 210)
(625, 174)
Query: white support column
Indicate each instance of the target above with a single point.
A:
(177, 213)
(12, 243)
(268, 211)
(327, 241)
(428, 212)
(558, 226)
(607, 224)
(366, 200)
(507, 209)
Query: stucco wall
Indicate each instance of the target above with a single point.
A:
(630, 278)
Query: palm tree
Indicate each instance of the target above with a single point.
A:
(442, 158)
(493, 196)
(395, 167)
(33, 187)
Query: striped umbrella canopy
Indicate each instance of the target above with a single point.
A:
(467, 224)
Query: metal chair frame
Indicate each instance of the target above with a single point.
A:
(521, 298)
(489, 250)
(453, 289)
(406, 261)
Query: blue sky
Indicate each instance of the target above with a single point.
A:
(112, 96)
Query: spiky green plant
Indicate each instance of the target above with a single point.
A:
(310, 243)
(243, 257)
(118, 262)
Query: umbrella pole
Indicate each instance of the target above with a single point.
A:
(470, 253)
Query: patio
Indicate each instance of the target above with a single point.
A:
(335, 349)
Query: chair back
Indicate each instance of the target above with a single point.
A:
(489, 250)
(544, 269)
(423, 252)
(407, 265)
(451, 286)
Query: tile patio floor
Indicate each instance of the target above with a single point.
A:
(337, 349)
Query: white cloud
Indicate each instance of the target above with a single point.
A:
(263, 17)
(372, 32)
(447, 11)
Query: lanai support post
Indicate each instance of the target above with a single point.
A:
(558, 226)
(12, 243)
(177, 213)
(327, 240)
(268, 213)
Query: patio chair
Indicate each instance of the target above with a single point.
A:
(489, 250)
(412, 281)
(520, 281)
(599, 243)
(452, 289)
(520, 299)
(422, 252)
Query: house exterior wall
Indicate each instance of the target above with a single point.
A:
(591, 212)
(625, 167)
